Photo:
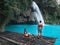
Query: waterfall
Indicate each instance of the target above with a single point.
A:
(37, 13)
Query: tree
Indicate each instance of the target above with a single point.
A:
(49, 9)
(11, 9)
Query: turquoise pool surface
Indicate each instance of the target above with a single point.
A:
(47, 30)
(51, 31)
(20, 28)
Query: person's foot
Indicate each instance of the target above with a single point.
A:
(39, 37)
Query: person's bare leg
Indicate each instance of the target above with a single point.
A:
(39, 32)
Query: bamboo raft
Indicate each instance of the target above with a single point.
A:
(13, 38)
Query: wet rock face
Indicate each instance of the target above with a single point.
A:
(18, 37)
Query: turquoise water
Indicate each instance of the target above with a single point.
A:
(48, 30)
(51, 31)
(20, 28)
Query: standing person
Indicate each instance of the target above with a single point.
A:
(40, 25)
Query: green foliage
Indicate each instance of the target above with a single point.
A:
(50, 11)
(10, 9)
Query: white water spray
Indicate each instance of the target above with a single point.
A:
(37, 13)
